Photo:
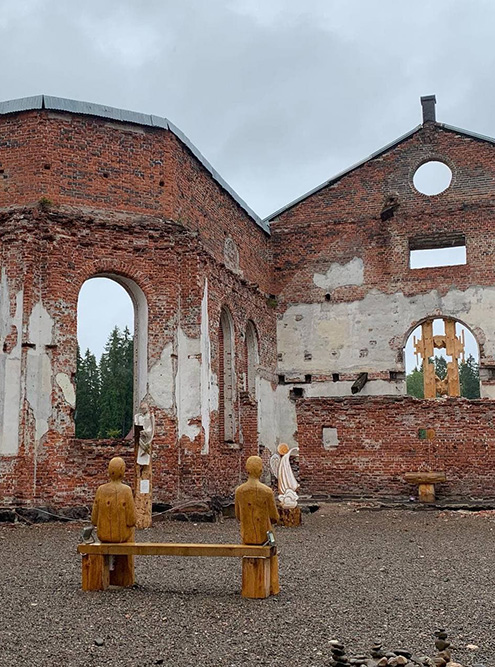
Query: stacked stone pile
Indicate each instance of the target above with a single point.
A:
(397, 658)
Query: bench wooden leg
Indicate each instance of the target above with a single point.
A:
(255, 577)
(122, 573)
(95, 573)
(274, 585)
(426, 493)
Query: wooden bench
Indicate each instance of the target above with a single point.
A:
(426, 483)
(106, 563)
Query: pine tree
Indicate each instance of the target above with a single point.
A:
(116, 373)
(415, 383)
(469, 375)
(440, 367)
(87, 396)
(128, 380)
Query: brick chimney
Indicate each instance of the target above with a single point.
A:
(428, 103)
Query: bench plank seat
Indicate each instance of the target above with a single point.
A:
(425, 477)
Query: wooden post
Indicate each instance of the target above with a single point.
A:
(256, 581)
(430, 386)
(274, 583)
(359, 383)
(426, 493)
(142, 485)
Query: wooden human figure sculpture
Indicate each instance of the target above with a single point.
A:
(255, 509)
(114, 516)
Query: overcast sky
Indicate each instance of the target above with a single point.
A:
(279, 95)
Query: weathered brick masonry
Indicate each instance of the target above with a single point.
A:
(83, 196)
(382, 438)
(88, 191)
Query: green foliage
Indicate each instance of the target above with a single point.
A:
(440, 367)
(414, 383)
(104, 392)
(116, 377)
(45, 203)
(87, 396)
(468, 374)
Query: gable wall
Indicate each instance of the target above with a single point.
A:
(347, 297)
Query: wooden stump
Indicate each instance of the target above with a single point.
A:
(256, 582)
(289, 516)
(426, 493)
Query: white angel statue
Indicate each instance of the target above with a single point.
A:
(287, 483)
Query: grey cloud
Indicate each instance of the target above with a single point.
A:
(279, 96)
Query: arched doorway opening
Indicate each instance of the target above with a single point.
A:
(111, 376)
(442, 359)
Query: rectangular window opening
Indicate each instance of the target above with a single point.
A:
(427, 253)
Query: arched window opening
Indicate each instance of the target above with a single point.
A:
(252, 357)
(442, 359)
(226, 377)
(111, 356)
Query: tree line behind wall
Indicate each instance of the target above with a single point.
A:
(469, 376)
(104, 391)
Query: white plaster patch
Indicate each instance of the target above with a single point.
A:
(160, 380)
(63, 381)
(339, 275)
(10, 371)
(487, 391)
(39, 368)
(4, 306)
(371, 388)
(277, 420)
(188, 385)
(330, 437)
(206, 379)
(360, 336)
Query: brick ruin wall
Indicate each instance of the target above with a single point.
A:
(362, 447)
(348, 301)
(98, 198)
(83, 196)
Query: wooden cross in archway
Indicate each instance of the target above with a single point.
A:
(425, 348)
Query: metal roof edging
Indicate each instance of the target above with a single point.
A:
(468, 133)
(341, 174)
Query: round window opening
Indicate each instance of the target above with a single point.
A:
(432, 178)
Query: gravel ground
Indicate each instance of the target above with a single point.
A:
(347, 573)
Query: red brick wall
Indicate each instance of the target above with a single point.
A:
(379, 442)
(342, 221)
(61, 251)
(84, 161)
(133, 201)
(129, 201)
